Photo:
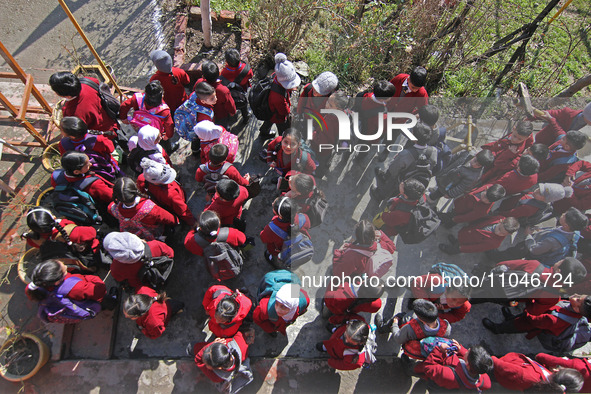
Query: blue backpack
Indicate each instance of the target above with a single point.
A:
(297, 250)
(446, 270)
(430, 343)
(568, 248)
(58, 308)
(185, 117)
(70, 200)
(574, 337)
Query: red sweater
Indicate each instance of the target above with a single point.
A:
(174, 95)
(514, 182)
(550, 169)
(505, 154)
(228, 210)
(99, 190)
(428, 292)
(231, 173)
(167, 130)
(170, 197)
(224, 105)
(261, 316)
(156, 217)
(153, 323)
(199, 348)
(581, 198)
(280, 105)
(87, 106)
(470, 207)
(342, 356)
(395, 218)
(349, 263)
(235, 239)
(557, 127)
(514, 207)
(515, 371)
(212, 298)
(412, 101)
(580, 364)
(339, 301)
(129, 272)
(273, 241)
(480, 236)
(439, 367)
(283, 162)
(231, 73)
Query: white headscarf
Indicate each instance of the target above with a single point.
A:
(285, 298)
(146, 138)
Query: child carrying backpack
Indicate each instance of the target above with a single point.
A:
(227, 310)
(146, 145)
(348, 345)
(288, 152)
(217, 168)
(311, 201)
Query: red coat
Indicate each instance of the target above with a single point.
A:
(231, 73)
(103, 146)
(478, 237)
(533, 325)
(273, 241)
(514, 182)
(99, 190)
(153, 323)
(514, 207)
(505, 154)
(350, 263)
(129, 272)
(199, 348)
(167, 130)
(235, 239)
(87, 106)
(231, 173)
(157, 216)
(427, 292)
(439, 367)
(224, 105)
(515, 371)
(581, 198)
(342, 356)
(395, 218)
(212, 298)
(170, 197)
(90, 287)
(280, 105)
(327, 135)
(558, 126)
(228, 210)
(470, 207)
(412, 101)
(174, 95)
(339, 301)
(283, 163)
(550, 169)
(580, 364)
(261, 316)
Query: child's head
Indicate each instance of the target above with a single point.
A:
(417, 78)
(521, 131)
(218, 356)
(325, 84)
(73, 127)
(227, 309)
(284, 207)
(65, 84)
(478, 360)
(125, 191)
(162, 61)
(571, 267)
(338, 100)
(423, 133)
(581, 304)
(137, 305)
(154, 92)
(41, 220)
(218, 154)
(148, 137)
(47, 274)
(356, 334)
(528, 165)
(75, 163)
(227, 189)
(206, 93)
(211, 72)
(126, 248)
(551, 192)
(383, 90)
(365, 233)
(209, 224)
(573, 141)
(412, 189)
(157, 173)
(573, 220)
(290, 141)
(232, 57)
(566, 380)
(538, 151)
(425, 310)
(429, 115)
(369, 292)
(493, 193)
(302, 184)
(285, 72)
(484, 158)
(507, 226)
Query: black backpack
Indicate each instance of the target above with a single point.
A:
(423, 222)
(317, 211)
(135, 158)
(155, 270)
(222, 261)
(237, 92)
(110, 103)
(71, 201)
(258, 97)
(420, 169)
(212, 177)
(544, 213)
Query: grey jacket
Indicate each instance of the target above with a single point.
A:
(459, 177)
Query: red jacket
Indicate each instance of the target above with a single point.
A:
(328, 134)
(350, 263)
(99, 190)
(212, 298)
(273, 241)
(231, 173)
(480, 236)
(515, 371)
(439, 367)
(395, 218)
(283, 163)
(170, 197)
(428, 292)
(224, 105)
(551, 169)
(514, 182)
(412, 101)
(235, 239)
(87, 106)
(231, 73)
(261, 316)
(199, 348)
(557, 127)
(156, 217)
(129, 272)
(580, 364)
(342, 356)
(339, 301)
(533, 325)
(581, 198)
(103, 146)
(470, 207)
(280, 105)
(228, 210)
(505, 154)
(153, 323)
(167, 130)
(174, 95)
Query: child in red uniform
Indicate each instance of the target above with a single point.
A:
(315, 94)
(226, 310)
(128, 252)
(159, 182)
(582, 365)
(146, 144)
(348, 299)
(224, 108)
(563, 153)
(560, 121)
(524, 176)
(217, 168)
(370, 105)
(172, 79)
(397, 215)
(137, 214)
(204, 98)
(353, 258)
(209, 230)
(239, 73)
(302, 189)
(473, 206)
(284, 154)
(486, 234)
(151, 311)
(578, 176)
(410, 92)
(227, 203)
(346, 346)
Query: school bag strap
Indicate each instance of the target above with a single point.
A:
(67, 285)
(564, 317)
(147, 253)
(284, 234)
(242, 74)
(564, 160)
(200, 240)
(140, 97)
(534, 203)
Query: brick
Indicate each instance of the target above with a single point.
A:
(181, 23)
(227, 16)
(195, 12)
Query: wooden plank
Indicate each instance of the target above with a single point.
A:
(8, 75)
(22, 112)
(27, 144)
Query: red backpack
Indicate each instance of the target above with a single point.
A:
(413, 348)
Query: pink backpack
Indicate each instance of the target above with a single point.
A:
(135, 225)
(142, 116)
(228, 139)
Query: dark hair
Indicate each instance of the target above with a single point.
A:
(203, 90)
(125, 190)
(495, 192)
(232, 57)
(413, 189)
(292, 132)
(539, 151)
(73, 126)
(524, 128)
(209, 223)
(576, 220)
(137, 305)
(367, 291)
(422, 132)
(358, 330)
(153, 94)
(228, 307)
(565, 380)
(479, 361)
(73, 161)
(65, 83)
(429, 114)
(304, 183)
(218, 154)
(576, 139)
(485, 158)
(573, 267)
(586, 307)
(45, 275)
(365, 233)
(425, 310)
(287, 205)
(341, 99)
(218, 355)
(211, 72)
(510, 224)
(528, 165)
(228, 189)
(418, 76)
(41, 220)
(383, 89)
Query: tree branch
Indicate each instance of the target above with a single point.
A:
(575, 87)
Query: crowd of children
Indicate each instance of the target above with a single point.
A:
(513, 184)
